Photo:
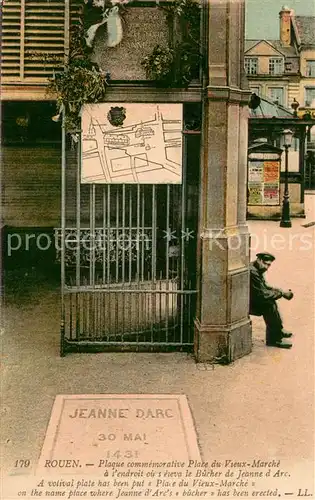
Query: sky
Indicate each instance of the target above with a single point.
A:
(262, 16)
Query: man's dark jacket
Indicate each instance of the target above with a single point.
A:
(261, 294)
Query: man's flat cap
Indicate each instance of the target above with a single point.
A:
(268, 257)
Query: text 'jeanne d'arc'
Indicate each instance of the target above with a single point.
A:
(111, 413)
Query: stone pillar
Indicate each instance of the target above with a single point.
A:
(222, 326)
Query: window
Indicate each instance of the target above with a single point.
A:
(310, 68)
(288, 66)
(275, 66)
(255, 90)
(276, 94)
(310, 97)
(251, 65)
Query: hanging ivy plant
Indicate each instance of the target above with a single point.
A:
(80, 82)
(159, 63)
(77, 85)
(177, 65)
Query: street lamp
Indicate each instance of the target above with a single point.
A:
(285, 216)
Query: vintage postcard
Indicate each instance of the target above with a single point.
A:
(158, 249)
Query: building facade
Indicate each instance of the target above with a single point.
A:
(283, 69)
(190, 290)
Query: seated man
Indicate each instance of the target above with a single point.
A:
(263, 301)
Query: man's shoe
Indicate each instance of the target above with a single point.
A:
(285, 334)
(282, 344)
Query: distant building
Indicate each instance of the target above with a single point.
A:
(283, 70)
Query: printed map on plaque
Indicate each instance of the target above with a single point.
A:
(132, 143)
(88, 432)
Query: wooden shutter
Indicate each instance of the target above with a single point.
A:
(35, 38)
(11, 40)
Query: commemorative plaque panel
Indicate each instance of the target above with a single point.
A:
(89, 432)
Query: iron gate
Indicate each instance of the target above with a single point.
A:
(127, 254)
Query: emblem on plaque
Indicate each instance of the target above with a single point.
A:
(116, 116)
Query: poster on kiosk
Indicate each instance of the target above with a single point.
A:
(264, 175)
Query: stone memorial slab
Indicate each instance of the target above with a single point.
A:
(89, 432)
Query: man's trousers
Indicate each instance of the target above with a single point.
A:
(270, 312)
